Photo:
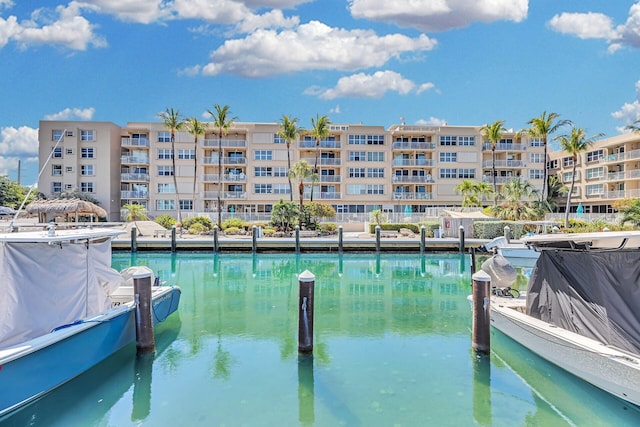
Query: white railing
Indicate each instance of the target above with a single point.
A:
(135, 142)
(134, 177)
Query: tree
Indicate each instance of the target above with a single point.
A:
(575, 143)
(12, 194)
(517, 201)
(630, 210)
(134, 212)
(284, 215)
(319, 131)
(301, 171)
(473, 192)
(542, 127)
(555, 190)
(289, 131)
(174, 122)
(493, 133)
(195, 127)
(222, 121)
(635, 127)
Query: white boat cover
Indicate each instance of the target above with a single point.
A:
(593, 293)
(45, 286)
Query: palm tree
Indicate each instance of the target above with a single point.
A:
(301, 171)
(493, 133)
(174, 122)
(289, 131)
(542, 127)
(195, 127)
(635, 127)
(518, 199)
(575, 143)
(134, 212)
(472, 192)
(319, 131)
(222, 121)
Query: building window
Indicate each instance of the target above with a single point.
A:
(280, 172)
(375, 173)
(566, 177)
(448, 140)
(277, 139)
(263, 188)
(594, 173)
(263, 155)
(186, 205)
(594, 156)
(68, 169)
(357, 156)
(166, 188)
(567, 161)
(86, 170)
(594, 189)
(56, 187)
(56, 135)
(467, 173)
(536, 173)
(164, 136)
(536, 142)
(68, 186)
(165, 170)
(57, 153)
(375, 139)
(87, 153)
(356, 189)
(357, 173)
(357, 140)
(448, 157)
(375, 156)
(536, 158)
(188, 154)
(448, 173)
(87, 135)
(553, 164)
(56, 170)
(165, 205)
(281, 189)
(263, 171)
(165, 154)
(69, 151)
(467, 140)
(375, 189)
(86, 187)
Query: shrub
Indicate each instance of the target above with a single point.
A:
(232, 230)
(394, 227)
(328, 227)
(234, 223)
(268, 232)
(167, 221)
(204, 221)
(198, 228)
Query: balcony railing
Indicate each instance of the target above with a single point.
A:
(213, 160)
(616, 176)
(330, 178)
(503, 163)
(411, 196)
(327, 161)
(228, 143)
(400, 145)
(134, 194)
(134, 160)
(499, 179)
(503, 146)
(413, 162)
(134, 177)
(416, 179)
(323, 144)
(135, 142)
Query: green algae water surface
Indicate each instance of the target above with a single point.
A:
(392, 347)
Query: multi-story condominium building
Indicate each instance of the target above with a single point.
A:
(360, 168)
(609, 170)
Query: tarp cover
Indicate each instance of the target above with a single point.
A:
(595, 294)
(45, 286)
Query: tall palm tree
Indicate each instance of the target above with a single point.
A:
(289, 131)
(472, 192)
(196, 128)
(635, 127)
(493, 133)
(542, 127)
(319, 131)
(222, 121)
(301, 171)
(575, 143)
(134, 212)
(174, 121)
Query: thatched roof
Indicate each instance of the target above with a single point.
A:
(65, 206)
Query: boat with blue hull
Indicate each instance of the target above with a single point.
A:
(63, 309)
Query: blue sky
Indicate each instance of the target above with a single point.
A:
(372, 61)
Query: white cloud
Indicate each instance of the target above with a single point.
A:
(6, 4)
(363, 85)
(218, 11)
(629, 112)
(584, 25)
(15, 142)
(72, 114)
(141, 11)
(67, 28)
(439, 15)
(311, 46)
(425, 87)
(271, 19)
(335, 110)
(431, 121)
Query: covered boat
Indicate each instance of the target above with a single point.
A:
(63, 309)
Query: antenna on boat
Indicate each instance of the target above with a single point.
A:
(15, 216)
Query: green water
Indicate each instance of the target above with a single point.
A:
(392, 347)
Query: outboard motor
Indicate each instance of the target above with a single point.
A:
(502, 273)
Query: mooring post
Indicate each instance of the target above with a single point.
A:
(507, 233)
(423, 235)
(173, 238)
(134, 238)
(306, 284)
(297, 234)
(377, 238)
(461, 234)
(480, 336)
(215, 239)
(340, 239)
(472, 252)
(145, 341)
(254, 238)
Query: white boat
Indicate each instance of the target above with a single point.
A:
(63, 309)
(581, 310)
(518, 253)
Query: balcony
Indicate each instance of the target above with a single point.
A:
(213, 160)
(134, 142)
(503, 164)
(413, 179)
(503, 146)
(134, 194)
(323, 144)
(400, 145)
(330, 178)
(411, 196)
(413, 162)
(235, 194)
(134, 160)
(226, 143)
(616, 176)
(134, 177)
(500, 179)
(327, 161)
(330, 195)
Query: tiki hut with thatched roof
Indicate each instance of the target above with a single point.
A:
(69, 209)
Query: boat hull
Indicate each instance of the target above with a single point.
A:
(30, 370)
(614, 371)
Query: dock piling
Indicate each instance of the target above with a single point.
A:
(377, 238)
(216, 245)
(461, 235)
(423, 234)
(145, 340)
(306, 284)
(340, 230)
(134, 238)
(254, 238)
(480, 336)
(173, 238)
(297, 233)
